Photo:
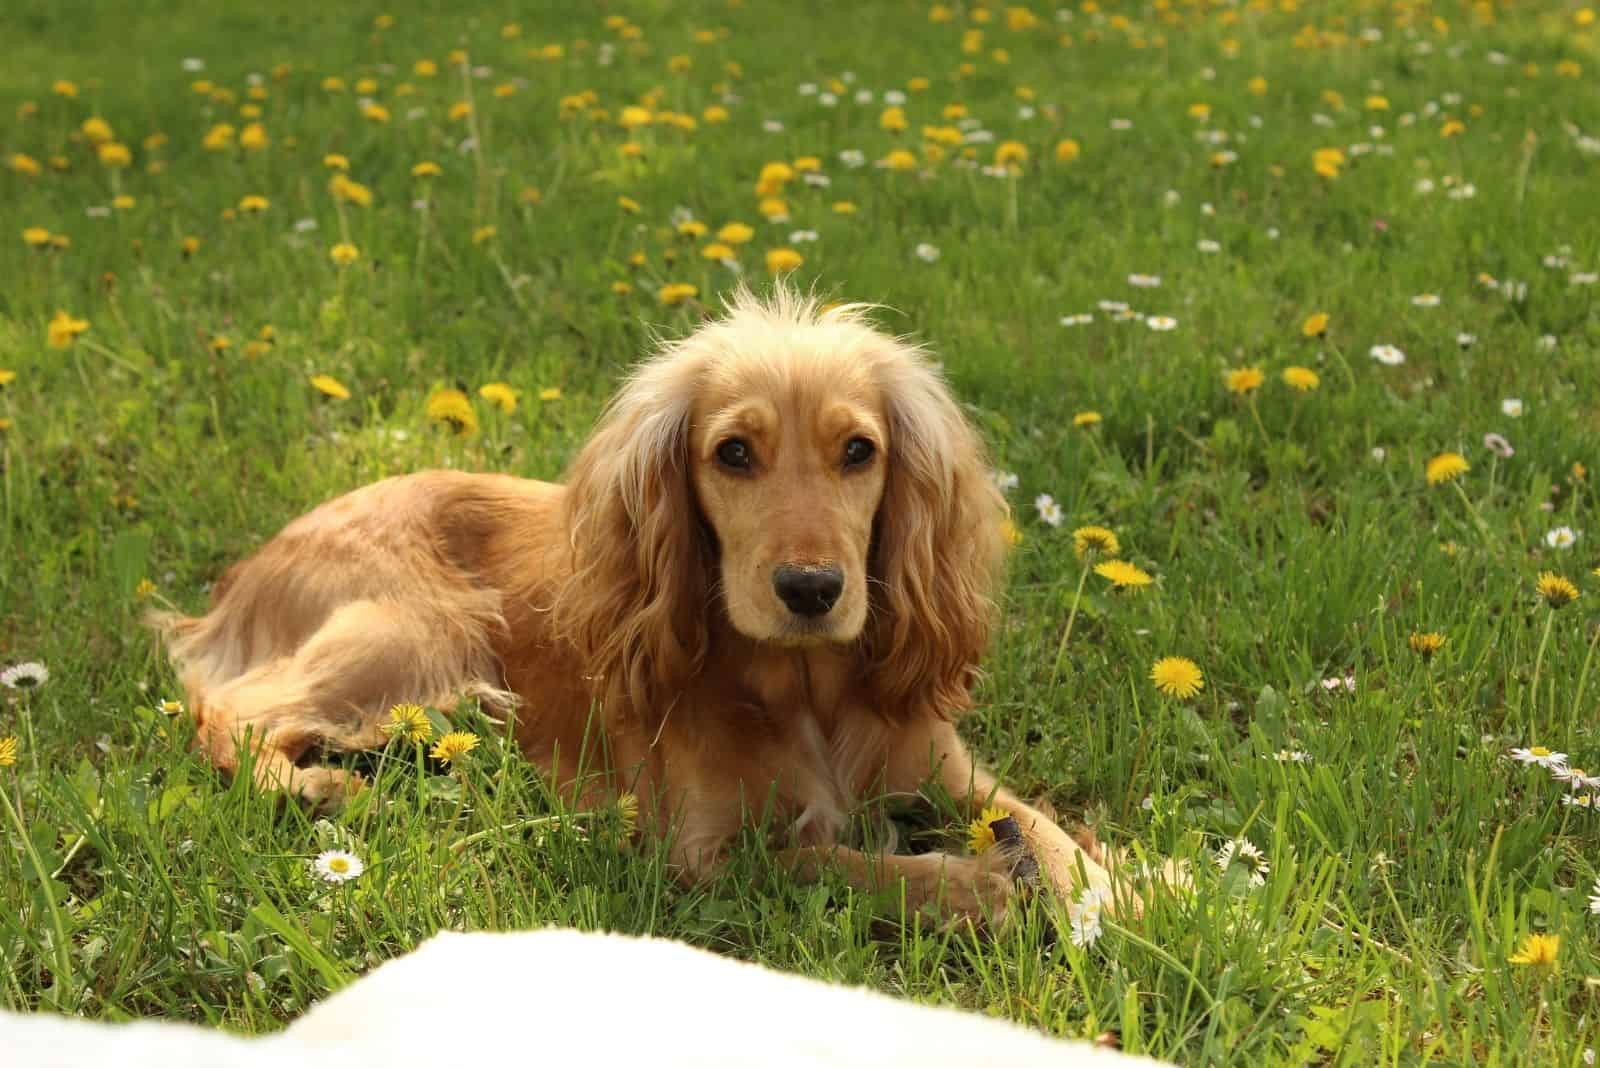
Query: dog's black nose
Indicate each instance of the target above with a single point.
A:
(808, 591)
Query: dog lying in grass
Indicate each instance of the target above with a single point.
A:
(766, 586)
(576, 998)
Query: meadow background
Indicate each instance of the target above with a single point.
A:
(249, 250)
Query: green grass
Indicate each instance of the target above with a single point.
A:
(1409, 857)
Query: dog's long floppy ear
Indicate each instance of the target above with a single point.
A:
(939, 548)
(634, 605)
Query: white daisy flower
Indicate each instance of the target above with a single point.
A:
(1080, 319)
(1379, 453)
(802, 237)
(1161, 323)
(29, 675)
(1388, 355)
(1575, 778)
(1538, 754)
(1547, 343)
(1111, 306)
(1466, 340)
(1253, 860)
(1171, 198)
(816, 180)
(1291, 756)
(853, 157)
(337, 866)
(1511, 406)
(827, 100)
(1424, 186)
(1006, 481)
(1208, 246)
(772, 126)
(1498, 445)
(1583, 278)
(1426, 300)
(1562, 537)
(1085, 916)
(1587, 801)
(194, 64)
(894, 97)
(863, 96)
(927, 253)
(1144, 281)
(1049, 510)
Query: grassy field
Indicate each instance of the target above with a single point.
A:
(1121, 226)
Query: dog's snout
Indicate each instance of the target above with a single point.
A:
(808, 591)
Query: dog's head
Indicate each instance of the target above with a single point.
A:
(806, 475)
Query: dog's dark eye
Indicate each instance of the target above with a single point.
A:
(858, 451)
(735, 454)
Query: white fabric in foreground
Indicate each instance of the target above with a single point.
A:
(568, 997)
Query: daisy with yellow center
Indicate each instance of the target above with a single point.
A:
(980, 832)
(1446, 467)
(1177, 676)
(410, 722)
(337, 866)
(454, 746)
(1092, 539)
(1123, 575)
(1557, 591)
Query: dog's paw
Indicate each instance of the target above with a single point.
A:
(324, 790)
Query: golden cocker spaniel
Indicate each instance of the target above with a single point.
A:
(768, 578)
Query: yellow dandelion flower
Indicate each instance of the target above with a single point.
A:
(123, 202)
(253, 138)
(113, 154)
(893, 119)
(64, 330)
(409, 722)
(375, 113)
(1010, 532)
(97, 130)
(24, 164)
(459, 110)
(550, 393)
(980, 832)
(253, 204)
(1557, 591)
(1244, 380)
(783, 260)
(350, 191)
(36, 236)
(482, 234)
(1093, 539)
(500, 395)
(900, 159)
(677, 292)
(1010, 153)
(329, 386)
(714, 114)
(344, 253)
(692, 228)
(335, 162)
(1177, 676)
(1086, 419)
(425, 68)
(452, 407)
(844, 207)
(629, 205)
(1303, 379)
(628, 812)
(8, 751)
(1538, 950)
(454, 746)
(189, 246)
(426, 169)
(1123, 575)
(735, 233)
(1425, 644)
(64, 88)
(718, 251)
(1446, 467)
(7, 376)
(1316, 325)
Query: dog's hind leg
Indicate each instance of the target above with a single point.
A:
(335, 690)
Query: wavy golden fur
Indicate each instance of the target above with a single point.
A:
(765, 589)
